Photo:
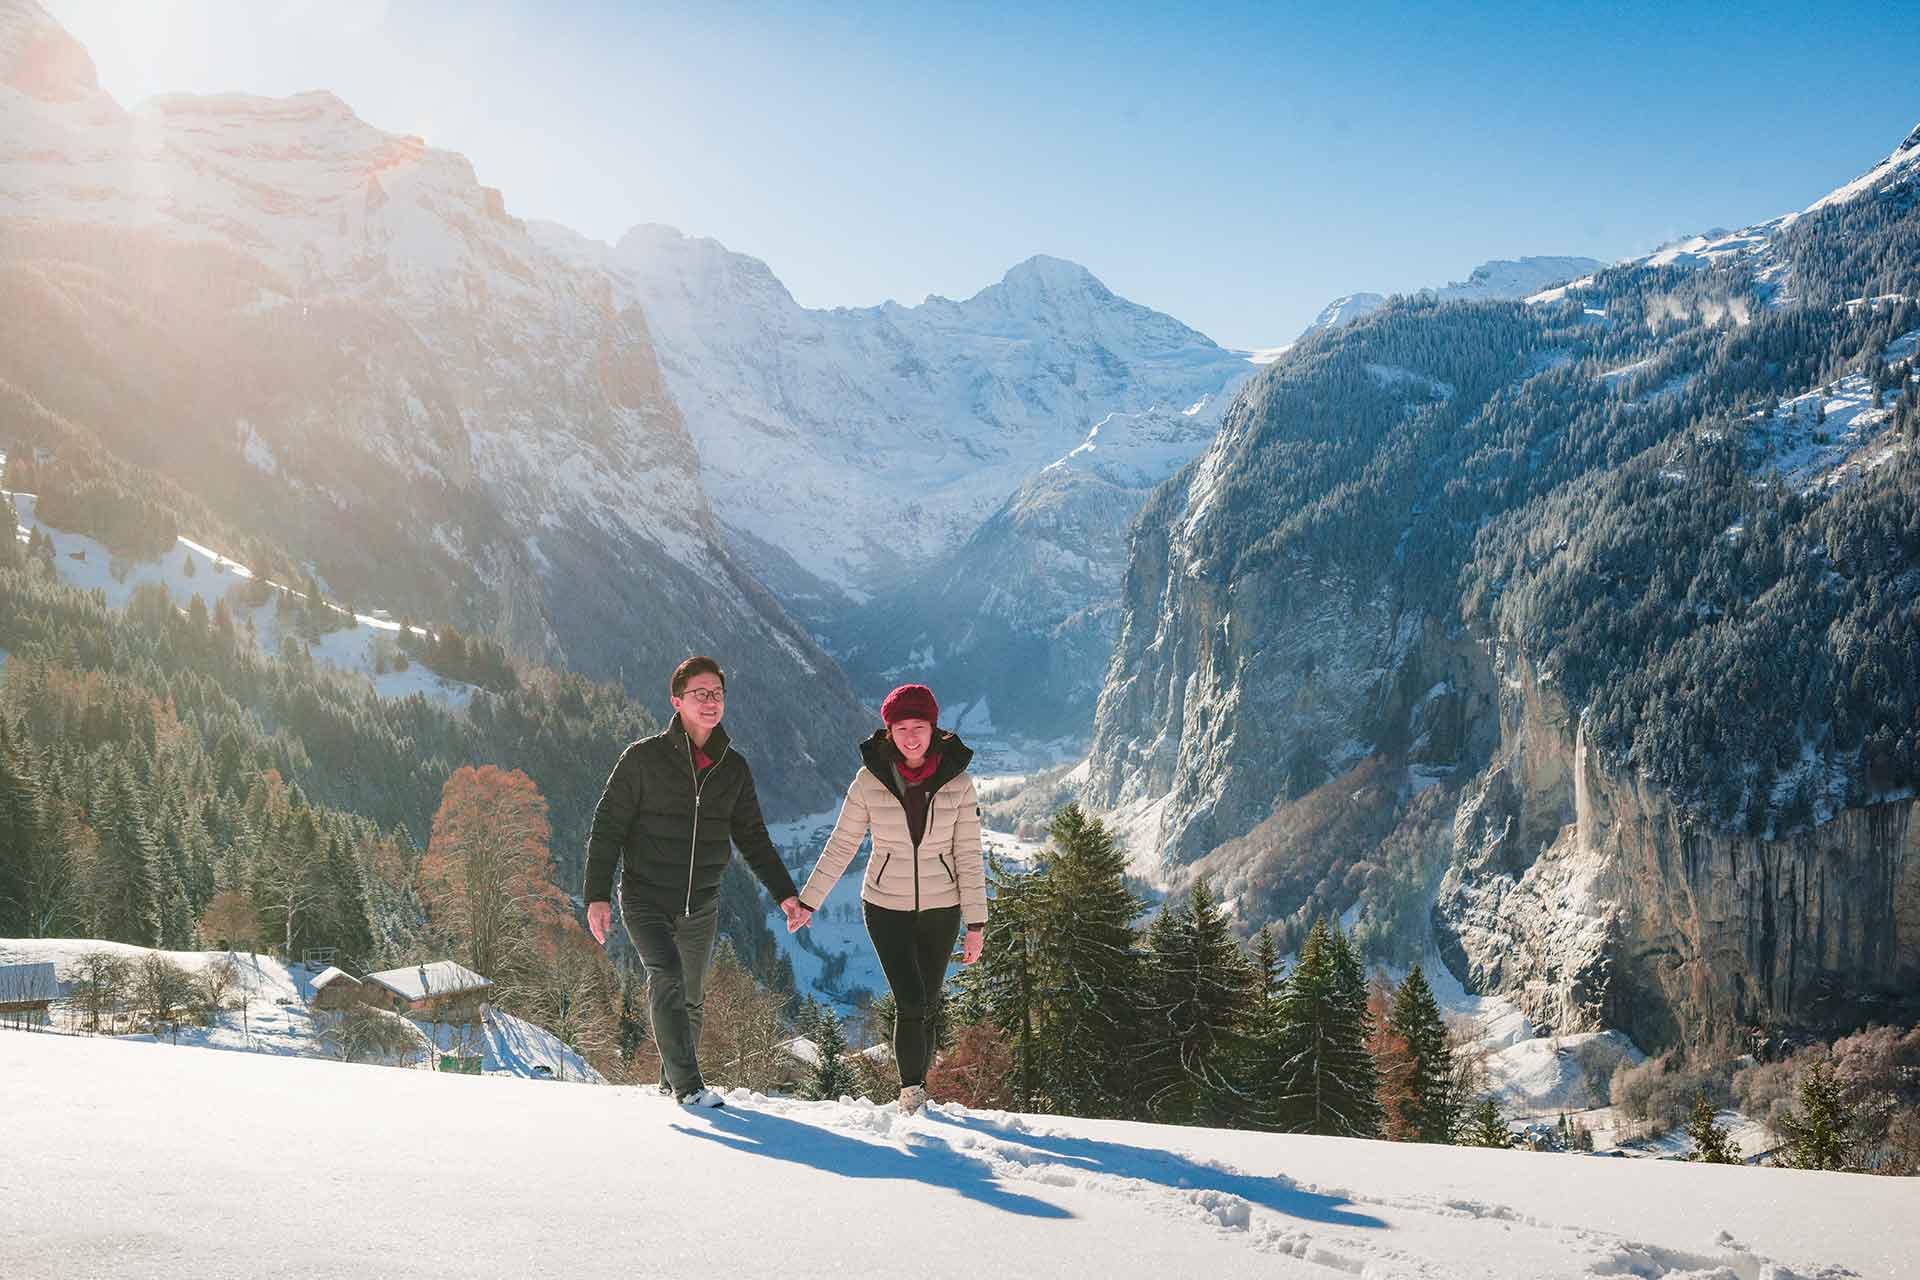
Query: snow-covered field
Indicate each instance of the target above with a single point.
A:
(137, 1160)
(276, 1021)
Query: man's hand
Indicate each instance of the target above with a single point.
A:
(970, 949)
(599, 920)
(796, 913)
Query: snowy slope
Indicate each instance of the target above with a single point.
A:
(1502, 279)
(381, 350)
(277, 1021)
(351, 648)
(150, 1161)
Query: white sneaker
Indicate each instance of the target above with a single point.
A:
(702, 1097)
(913, 1099)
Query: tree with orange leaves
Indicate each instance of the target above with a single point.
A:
(1394, 1062)
(487, 876)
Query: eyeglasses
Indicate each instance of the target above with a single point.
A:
(707, 696)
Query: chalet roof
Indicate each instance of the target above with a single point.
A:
(26, 983)
(422, 981)
(332, 973)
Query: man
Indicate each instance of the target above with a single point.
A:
(672, 809)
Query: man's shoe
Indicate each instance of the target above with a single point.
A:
(702, 1097)
(913, 1099)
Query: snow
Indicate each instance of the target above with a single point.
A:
(147, 1160)
(214, 574)
(1832, 433)
(1903, 158)
(802, 415)
(278, 1022)
(417, 982)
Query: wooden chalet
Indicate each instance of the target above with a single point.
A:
(439, 992)
(27, 993)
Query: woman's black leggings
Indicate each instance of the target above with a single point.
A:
(914, 947)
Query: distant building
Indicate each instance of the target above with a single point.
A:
(439, 992)
(338, 990)
(27, 993)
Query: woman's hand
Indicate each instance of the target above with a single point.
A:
(970, 949)
(798, 914)
(599, 920)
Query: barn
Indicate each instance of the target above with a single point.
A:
(439, 992)
(27, 993)
(336, 989)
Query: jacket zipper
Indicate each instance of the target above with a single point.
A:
(699, 784)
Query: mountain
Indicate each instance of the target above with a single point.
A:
(846, 448)
(1502, 278)
(339, 337)
(1580, 628)
(1017, 623)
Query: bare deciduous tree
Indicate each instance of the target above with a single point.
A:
(741, 1036)
(487, 877)
(215, 988)
(100, 984)
(291, 876)
(231, 921)
(363, 1032)
(162, 990)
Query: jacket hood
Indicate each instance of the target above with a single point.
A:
(880, 755)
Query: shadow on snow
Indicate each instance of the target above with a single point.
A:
(1278, 1193)
(762, 1134)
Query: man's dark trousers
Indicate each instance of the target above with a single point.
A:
(676, 951)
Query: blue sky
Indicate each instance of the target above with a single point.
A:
(1236, 167)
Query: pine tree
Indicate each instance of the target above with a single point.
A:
(123, 888)
(1820, 1130)
(1487, 1127)
(21, 843)
(1085, 969)
(1432, 1112)
(1201, 992)
(1268, 971)
(1710, 1142)
(832, 1075)
(1310, 1071)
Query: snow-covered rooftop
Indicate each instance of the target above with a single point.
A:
(329, 974)
(421, 981)
(24, 983)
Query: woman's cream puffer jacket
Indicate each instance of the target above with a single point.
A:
(947, 870)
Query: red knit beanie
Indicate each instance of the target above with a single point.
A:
(910, 702)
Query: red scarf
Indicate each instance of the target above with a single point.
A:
(700, 761)
(910, 775)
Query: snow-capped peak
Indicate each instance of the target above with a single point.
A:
(1345, 310)
(1902, 157)
(1049, 274)
(39, 59)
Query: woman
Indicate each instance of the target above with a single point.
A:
(925, 874)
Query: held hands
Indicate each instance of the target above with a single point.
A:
(970, 949)
(797, 913)
(599, 920)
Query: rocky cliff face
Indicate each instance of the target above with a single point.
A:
(1594, 901)
(1626, 569)
(338, 336)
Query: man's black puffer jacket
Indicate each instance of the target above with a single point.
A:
(672, 848)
